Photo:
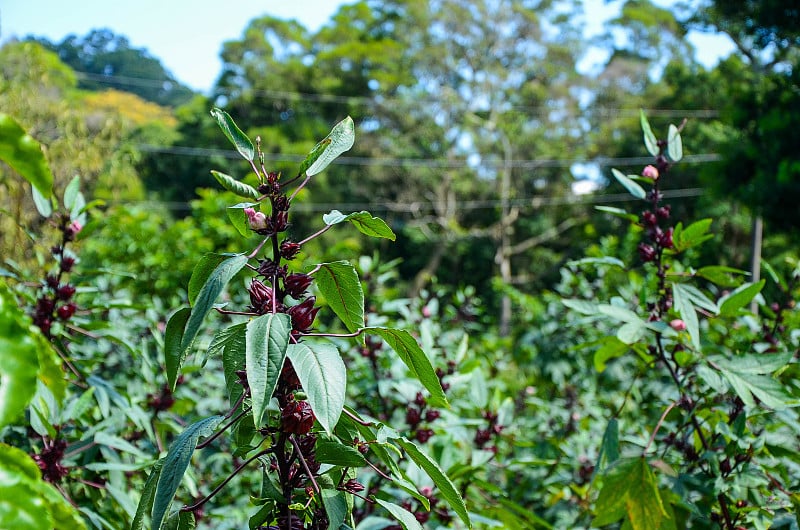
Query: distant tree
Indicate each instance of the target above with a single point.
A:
(104, 60)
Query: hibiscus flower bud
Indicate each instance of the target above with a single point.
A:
(297, 417)
(65, 292)
(649, 218)
(650, 172)
(66, 311)
(646, 252)
(677, 324)
(289, 249)
(257, 220)
(303, 314)
(295, 285)
(260, 297)
(665, 239)
(663, 212)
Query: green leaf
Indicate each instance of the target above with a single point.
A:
(363, 221)
(267, 338)
(43, 205)
(314, 154)
(691, 236)
(415, 359)
(683, 305)
(446, 487)
(338, 282)
(581, 306)
(629, 490)
(720, 275)
(618, 313)
(341, 139)
(231, 344)
(650, 141)
(730, 304)
(176, 462)
(609, 448)
(618, 212)
(234, 134)
(25, 156)
(173, 336)
(212, 288)
(335, 507)
(239, 188)
(18, 361)
(148, 495)
(674, 143)
(610, 348)
(71, 192)
(403, 516)
(202, 270)
(632, 187)
(331, 451)
(632, 332)
(748, 377)
(324, 378)
(239, 219)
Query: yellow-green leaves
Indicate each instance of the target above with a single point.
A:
(629, 491)
(24, 154)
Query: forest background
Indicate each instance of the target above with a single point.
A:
(480, 142)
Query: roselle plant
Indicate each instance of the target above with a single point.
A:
(288, 420)
(714, 379)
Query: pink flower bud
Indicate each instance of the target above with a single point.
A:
(677, 324)
(650, 172)
(75, 226)
(257, 220)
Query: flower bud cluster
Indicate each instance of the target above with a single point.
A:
(418, 413)
(492, 430)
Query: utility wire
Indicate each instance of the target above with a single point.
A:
(386, 101)
(431, 163)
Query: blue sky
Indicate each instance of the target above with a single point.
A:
(187, 36)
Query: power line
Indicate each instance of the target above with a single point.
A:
(431, 163)
(384, 100)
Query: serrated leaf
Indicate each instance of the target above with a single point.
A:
(175, 464)
(629, 491)
(267, 338)
(324, 378)
(173, 336)
(335, 507)
(239, 219)
(618, 212)
(42, 203)
(341, 138)
(234, 134)
(403, 516)
(239, 188)
(691, 236)
(674, 143)
(331, 451)
(633, 188)
(338, 282)
(231, 344)
(415, 359)
(148, 495)
(363, 221)
(730, 304)
(683, 305)
(71, 192)
(446, 487)
(204, 301)
(767, 389)
(25, 156)
(650, 141)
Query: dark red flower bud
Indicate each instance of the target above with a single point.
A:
(297, 417)
(303, 314)
(260, 297)
(280, 221)
(419, 399)
(45, 305)
(431, 415)
(646, 252)
(665, 239)
(413, 417)
(422, 517)
(65, 292)
(289, 376)
(296, 284)
(663, 212)
(649, 218)
(281, 203)
(423, 435)
(56, 250)
(482, 436)
(353, 486)
(51, 281)
(67, 263)
(289, 249)
(66, 311)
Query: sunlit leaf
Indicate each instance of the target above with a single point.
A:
(341, 138)
(267, 338)
(234, 134)
(24, 154)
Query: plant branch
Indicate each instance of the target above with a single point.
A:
(315, 235)
(305, 465)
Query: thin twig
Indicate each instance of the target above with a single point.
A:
(221, 485)
(658, 426)
(305, 465)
